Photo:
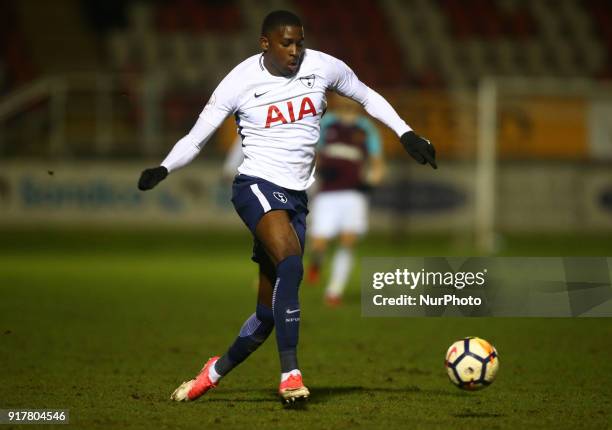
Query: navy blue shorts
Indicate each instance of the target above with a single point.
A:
(253, 197)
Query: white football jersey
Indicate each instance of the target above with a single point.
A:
(278, 117)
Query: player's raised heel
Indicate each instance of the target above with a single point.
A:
(292, 390)
(191, 390)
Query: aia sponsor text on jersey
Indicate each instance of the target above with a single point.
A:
(285, 112)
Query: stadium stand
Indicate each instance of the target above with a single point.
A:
(468, 39)
(362, 38)
(424, 43)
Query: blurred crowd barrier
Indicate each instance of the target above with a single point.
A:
(537, 196)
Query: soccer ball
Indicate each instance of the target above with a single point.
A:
(471, 363)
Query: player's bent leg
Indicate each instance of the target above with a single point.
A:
(253, 333)
(257, 327)
(255, 330)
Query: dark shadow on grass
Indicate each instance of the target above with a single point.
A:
(478, 415)
(254, 395)
(324, 394)
(321, 394)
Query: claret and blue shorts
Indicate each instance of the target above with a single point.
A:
(253, 197)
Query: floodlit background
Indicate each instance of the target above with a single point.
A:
(110, 297)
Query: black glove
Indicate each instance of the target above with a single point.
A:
(149, 178)
(419, 148)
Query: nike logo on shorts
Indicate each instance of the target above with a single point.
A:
(292, 311)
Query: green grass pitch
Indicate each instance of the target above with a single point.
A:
(107, 324)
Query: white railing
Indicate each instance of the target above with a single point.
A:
(53, 89)
(102, 90)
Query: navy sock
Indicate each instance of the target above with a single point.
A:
(286, 309)
(253, 333)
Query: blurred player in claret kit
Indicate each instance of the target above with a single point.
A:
(278, 99)
(349, 163)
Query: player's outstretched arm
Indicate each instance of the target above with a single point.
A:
(219, 106)
(347, 84)
(183, 153)
(418, 147)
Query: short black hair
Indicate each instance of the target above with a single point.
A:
(277, 19)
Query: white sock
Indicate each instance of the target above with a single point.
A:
(286, 375)
(213, 375)
(341, 268)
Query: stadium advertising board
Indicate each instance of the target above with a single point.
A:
(563, 197)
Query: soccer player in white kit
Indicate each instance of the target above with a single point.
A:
(278, 99)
